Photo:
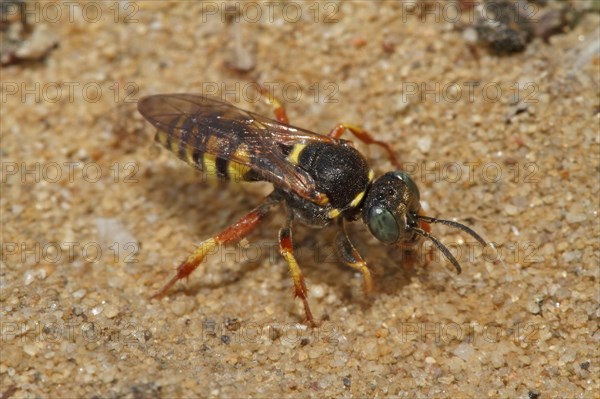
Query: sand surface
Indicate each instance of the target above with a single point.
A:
(95, 216)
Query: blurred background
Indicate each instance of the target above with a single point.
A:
(492, 106)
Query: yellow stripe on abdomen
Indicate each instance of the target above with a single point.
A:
(209, 165)
(162, 137)
(237, 171)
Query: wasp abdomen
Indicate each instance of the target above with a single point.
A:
(188, 141)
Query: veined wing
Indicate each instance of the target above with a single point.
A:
(208, 125)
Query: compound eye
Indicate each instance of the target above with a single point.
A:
(383, 225)
(410, 183)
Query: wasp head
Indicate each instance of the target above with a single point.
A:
(391, 208)
(392, 212)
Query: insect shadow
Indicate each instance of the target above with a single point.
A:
(202, 206)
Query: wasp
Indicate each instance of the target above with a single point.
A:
(320, 180)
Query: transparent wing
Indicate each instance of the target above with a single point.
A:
(238, 135)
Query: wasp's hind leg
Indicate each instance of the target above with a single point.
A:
(365, 137)
(351, 257)
(286, 248)
(232, 234)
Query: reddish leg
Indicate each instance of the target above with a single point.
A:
(366, 138)
(427, 228)
(286, 248)
(424, 225)
(278, 107)
(232, 234)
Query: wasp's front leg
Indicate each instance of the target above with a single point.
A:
(351, 257)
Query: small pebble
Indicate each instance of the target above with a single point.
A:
(571, 256)
(347, 382)
(28, 277)
(30, 349)
(111, 311)
(179, 307)
(464, 351)
(511, 210)
(97, 310)
(317, 291)
(424, 144)
(573, 217)
(533, 306)
(446, 379)
(584, 365)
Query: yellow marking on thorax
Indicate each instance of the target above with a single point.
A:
(334, 213)
(295, 153)
(356, 201)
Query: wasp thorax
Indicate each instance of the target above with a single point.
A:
(391, 208)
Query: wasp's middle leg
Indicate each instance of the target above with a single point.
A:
(286, 248)
(278, 108)
(232, 234)
(365, 137)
